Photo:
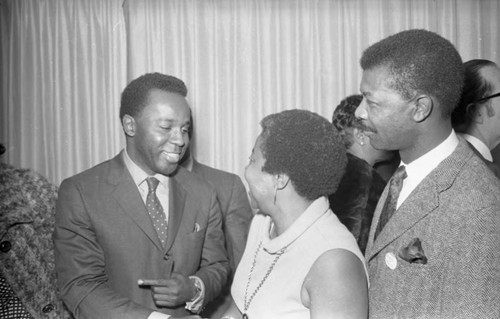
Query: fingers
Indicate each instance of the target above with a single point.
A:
(168, 292)
(162, 300)
(154, 282)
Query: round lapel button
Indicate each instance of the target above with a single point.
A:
(391, 261)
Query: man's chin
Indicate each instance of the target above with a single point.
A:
(170, 169)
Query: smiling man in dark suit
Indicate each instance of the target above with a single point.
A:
(433, 245)
(138, 236)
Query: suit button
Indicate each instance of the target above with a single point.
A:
(48, 308)
(5, 246)
(166, 257)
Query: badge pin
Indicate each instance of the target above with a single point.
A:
(391, 261)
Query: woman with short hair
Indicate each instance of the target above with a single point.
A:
(300, 261)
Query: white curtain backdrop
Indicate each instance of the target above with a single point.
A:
(64, 64)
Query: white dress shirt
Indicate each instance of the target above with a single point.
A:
(417, 170)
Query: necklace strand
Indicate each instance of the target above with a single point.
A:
(247, 302)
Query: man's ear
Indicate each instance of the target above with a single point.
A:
(489, 109)
(128, 123)
(423, 108)
(483, 112)
(281, 181)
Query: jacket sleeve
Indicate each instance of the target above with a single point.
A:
(237, 220)
(80, 263)
(214, 266)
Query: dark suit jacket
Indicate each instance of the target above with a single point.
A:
(235, 207)
(455, 212)
(356, 198)
(105, 241)
(236, 215)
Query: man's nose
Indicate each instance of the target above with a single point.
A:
(177, 137)
(361, 110)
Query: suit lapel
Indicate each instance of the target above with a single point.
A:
(423, 200)
(177, 201)
(129, 199)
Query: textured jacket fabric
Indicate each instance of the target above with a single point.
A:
(27, 207)
(455, 214)
(356, 198)
(105, 241)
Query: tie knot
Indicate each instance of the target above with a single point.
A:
(152, 183)
(400, 173)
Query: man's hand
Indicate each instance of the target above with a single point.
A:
(170, 292)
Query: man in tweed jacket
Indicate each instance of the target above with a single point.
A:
(437, 256)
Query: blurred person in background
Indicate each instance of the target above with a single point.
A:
(357, 195)
(236, 216)
(477, 116)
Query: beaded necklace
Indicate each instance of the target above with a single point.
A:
(247, 302)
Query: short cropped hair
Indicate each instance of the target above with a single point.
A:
(344, 119)
(475, 88)
(419, 61)
(135, 96)
(306, 147)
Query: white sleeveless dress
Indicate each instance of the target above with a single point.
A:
(316, 231)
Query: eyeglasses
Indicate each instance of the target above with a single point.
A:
(488, 97)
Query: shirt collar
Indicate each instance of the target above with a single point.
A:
(422, 166)
(138, 174)
(479, 146)
(318, 208)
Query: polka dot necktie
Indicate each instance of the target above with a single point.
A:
(155, 210)
(395, 186)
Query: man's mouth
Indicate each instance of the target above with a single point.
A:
(172, 157)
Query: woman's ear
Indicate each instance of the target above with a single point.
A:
(281, 181)
(423, 108)
(128, 123)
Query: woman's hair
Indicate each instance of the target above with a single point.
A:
(307, 148)
(344, 118)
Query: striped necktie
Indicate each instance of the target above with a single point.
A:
(395, 186)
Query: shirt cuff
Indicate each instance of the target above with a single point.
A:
(158, 315)
(195, 305)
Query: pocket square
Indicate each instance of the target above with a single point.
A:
(413, 253)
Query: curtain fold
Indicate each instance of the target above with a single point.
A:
(62, 72)
(64, 64)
